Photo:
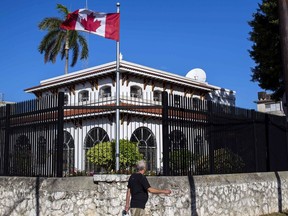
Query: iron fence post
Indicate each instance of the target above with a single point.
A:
(7, 144)
(165, 139)
(267, 122)
(60, 135)
(210, 141)
(253, 117)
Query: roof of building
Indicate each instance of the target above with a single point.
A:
(125, 67)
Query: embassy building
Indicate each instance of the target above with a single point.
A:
(140, 86)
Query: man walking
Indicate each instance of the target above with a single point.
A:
(138, 188)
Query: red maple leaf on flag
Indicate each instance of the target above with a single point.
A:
(90, 24)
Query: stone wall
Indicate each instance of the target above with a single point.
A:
(240, 194)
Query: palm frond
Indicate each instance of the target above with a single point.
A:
(59, 40)
(83, 43)
(48, 51)
(75, 54)
(46, 40)
(51, 45)
(62, 9)
(63, 51)
(50, 23)
(72, 35)
(54, 42)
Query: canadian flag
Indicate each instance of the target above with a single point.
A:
(102, 24)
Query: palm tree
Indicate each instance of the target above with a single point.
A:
(61, 41)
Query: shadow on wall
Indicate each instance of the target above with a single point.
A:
(279, 186)
(193, 195)
(37, 196)
(22, 198)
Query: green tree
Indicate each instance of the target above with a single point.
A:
(59, 41)
(266, 50)
(103, 154)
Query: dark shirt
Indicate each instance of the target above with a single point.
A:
(138, 185)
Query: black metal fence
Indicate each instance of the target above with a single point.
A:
(201, 137)
(45, 137)
(31, 134)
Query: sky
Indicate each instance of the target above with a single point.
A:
(174, 36)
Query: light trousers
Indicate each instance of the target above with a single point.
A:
(138, 212)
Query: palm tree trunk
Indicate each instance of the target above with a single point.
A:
(66, 53)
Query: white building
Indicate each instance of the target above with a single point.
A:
(139, 85)
(267, 105)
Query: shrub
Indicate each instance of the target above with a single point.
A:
(103, 154)
(181, 160)
(225, 161)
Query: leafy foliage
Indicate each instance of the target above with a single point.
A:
(58, 41)
(266, 50)
(180, 159)
(129, 154)
(103, 154)
(225, 161)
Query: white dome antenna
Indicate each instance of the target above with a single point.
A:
(197, 74)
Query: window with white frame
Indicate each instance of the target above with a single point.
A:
(157, 95)
(146, 142)
(272, 107)
(66, 99)
(196, 103)
(136, 91)
(268, 107)
(95, 136)
(68, 153)
(177, 99)
(83, 96)
(105, 91)
(177, 140)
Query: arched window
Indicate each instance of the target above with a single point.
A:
(22, 156)
(68, 152)
(105, 91)
(94, 136)
(177, 140)
(83, 96)
(146, 141)
(135, 91)
(157, 95)
(199, 145)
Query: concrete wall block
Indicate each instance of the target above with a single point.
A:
(239, 194)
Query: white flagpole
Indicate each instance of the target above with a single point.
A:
(117, 98)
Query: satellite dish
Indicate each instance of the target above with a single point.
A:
(197, 74)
